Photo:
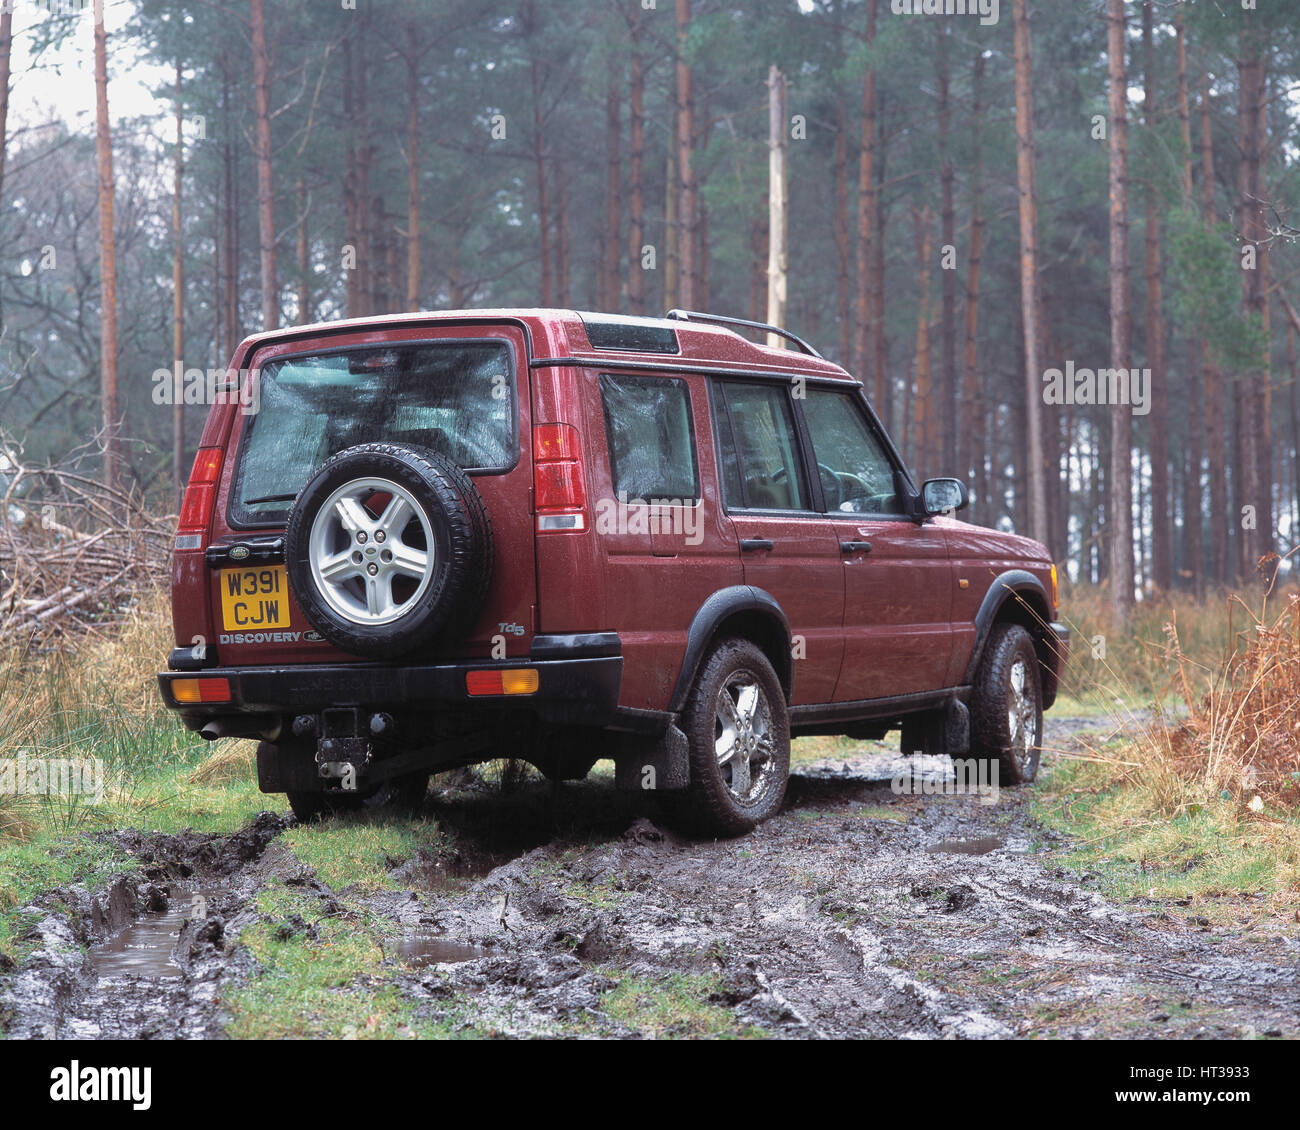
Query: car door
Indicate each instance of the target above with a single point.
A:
(788, 549)
(897, 577)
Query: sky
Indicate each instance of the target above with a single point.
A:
(64, 81)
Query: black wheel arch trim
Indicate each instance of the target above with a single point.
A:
(1007, 586)
(718, 608)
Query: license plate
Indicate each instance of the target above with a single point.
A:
(254, 598)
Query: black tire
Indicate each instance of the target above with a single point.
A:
(711, 804)
(452, 597)
(1013, 743)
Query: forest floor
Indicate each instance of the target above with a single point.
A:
(577, 911)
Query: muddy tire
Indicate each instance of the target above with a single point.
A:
(739, 733)
(1006, 709)
(387, 548)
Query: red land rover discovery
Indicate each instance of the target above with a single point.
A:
(421, 541)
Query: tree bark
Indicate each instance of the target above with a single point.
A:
(1253, 468)
(543, 204)
(777, 205)
(864, 315)
(636, 176)
(265, 194)
(1157, 423)
(843, 236)
(6, 48)
(609, 297)
(304, 256)
(970, 459)
(1035, 483)
(1193, 519)
(107, 260)
(923, 398)
(686, 205)
(946, 400)
(1120, 524)
(413, 246)
(178, 301)
(230, 244)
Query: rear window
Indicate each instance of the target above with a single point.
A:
(456, 398)
(651, 439)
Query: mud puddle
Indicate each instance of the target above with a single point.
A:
(421, 950)
(146, 948)
(980, 845)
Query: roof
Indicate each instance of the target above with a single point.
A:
(562, 333)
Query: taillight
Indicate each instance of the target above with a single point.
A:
(560, 496)
(193, 691)
(200, 497)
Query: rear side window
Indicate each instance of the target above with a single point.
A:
(761, 468)
(456, 398)
(651, 437)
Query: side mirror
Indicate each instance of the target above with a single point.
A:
(943, 496)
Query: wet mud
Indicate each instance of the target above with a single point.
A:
(854, 913)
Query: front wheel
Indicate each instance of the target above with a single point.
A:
(1007, 705)
(739, 733)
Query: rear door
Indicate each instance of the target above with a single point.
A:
(897, 578)
(788, 549)
(453, 387)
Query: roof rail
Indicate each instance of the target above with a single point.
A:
(722, 320)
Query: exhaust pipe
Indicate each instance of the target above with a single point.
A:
(253, 726)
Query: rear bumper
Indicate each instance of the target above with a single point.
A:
(578, 681)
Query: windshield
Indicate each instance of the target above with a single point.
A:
(456, 398)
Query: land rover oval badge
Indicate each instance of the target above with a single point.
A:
(238, 552)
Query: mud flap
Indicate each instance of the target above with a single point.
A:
(283, 769)
(938, 732)
(661, 764)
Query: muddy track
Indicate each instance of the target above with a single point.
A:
(854, 913)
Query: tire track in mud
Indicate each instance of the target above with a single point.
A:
(853, 913)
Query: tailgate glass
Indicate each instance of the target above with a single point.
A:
(456, 398)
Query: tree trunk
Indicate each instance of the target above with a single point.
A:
(923, 398)
(946, 400)
(413, 247)
(608, 298)
(1193, 519)
(672, 285)
(971, 431)
(843, 237)
(304, 256)
(543, 204)
(1253, 467)
(6, 48)
(563, 282)
(107, 260)
(636, 174)
(1216, 445)
(777, 205)
(230, 244)
(1035, 479)
(178, 301)
(1120, 525)
(686, 204)
(265, 196)
(864, 324)
(1157, 424)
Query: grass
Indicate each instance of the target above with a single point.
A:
(1200, 799)
(358, 851)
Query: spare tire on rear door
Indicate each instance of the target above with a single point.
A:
(388, 547)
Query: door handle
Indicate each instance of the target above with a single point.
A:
(855, 547)
(750, 545)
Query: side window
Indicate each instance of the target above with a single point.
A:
(761, 469)
(651, 437)
(856, 473)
